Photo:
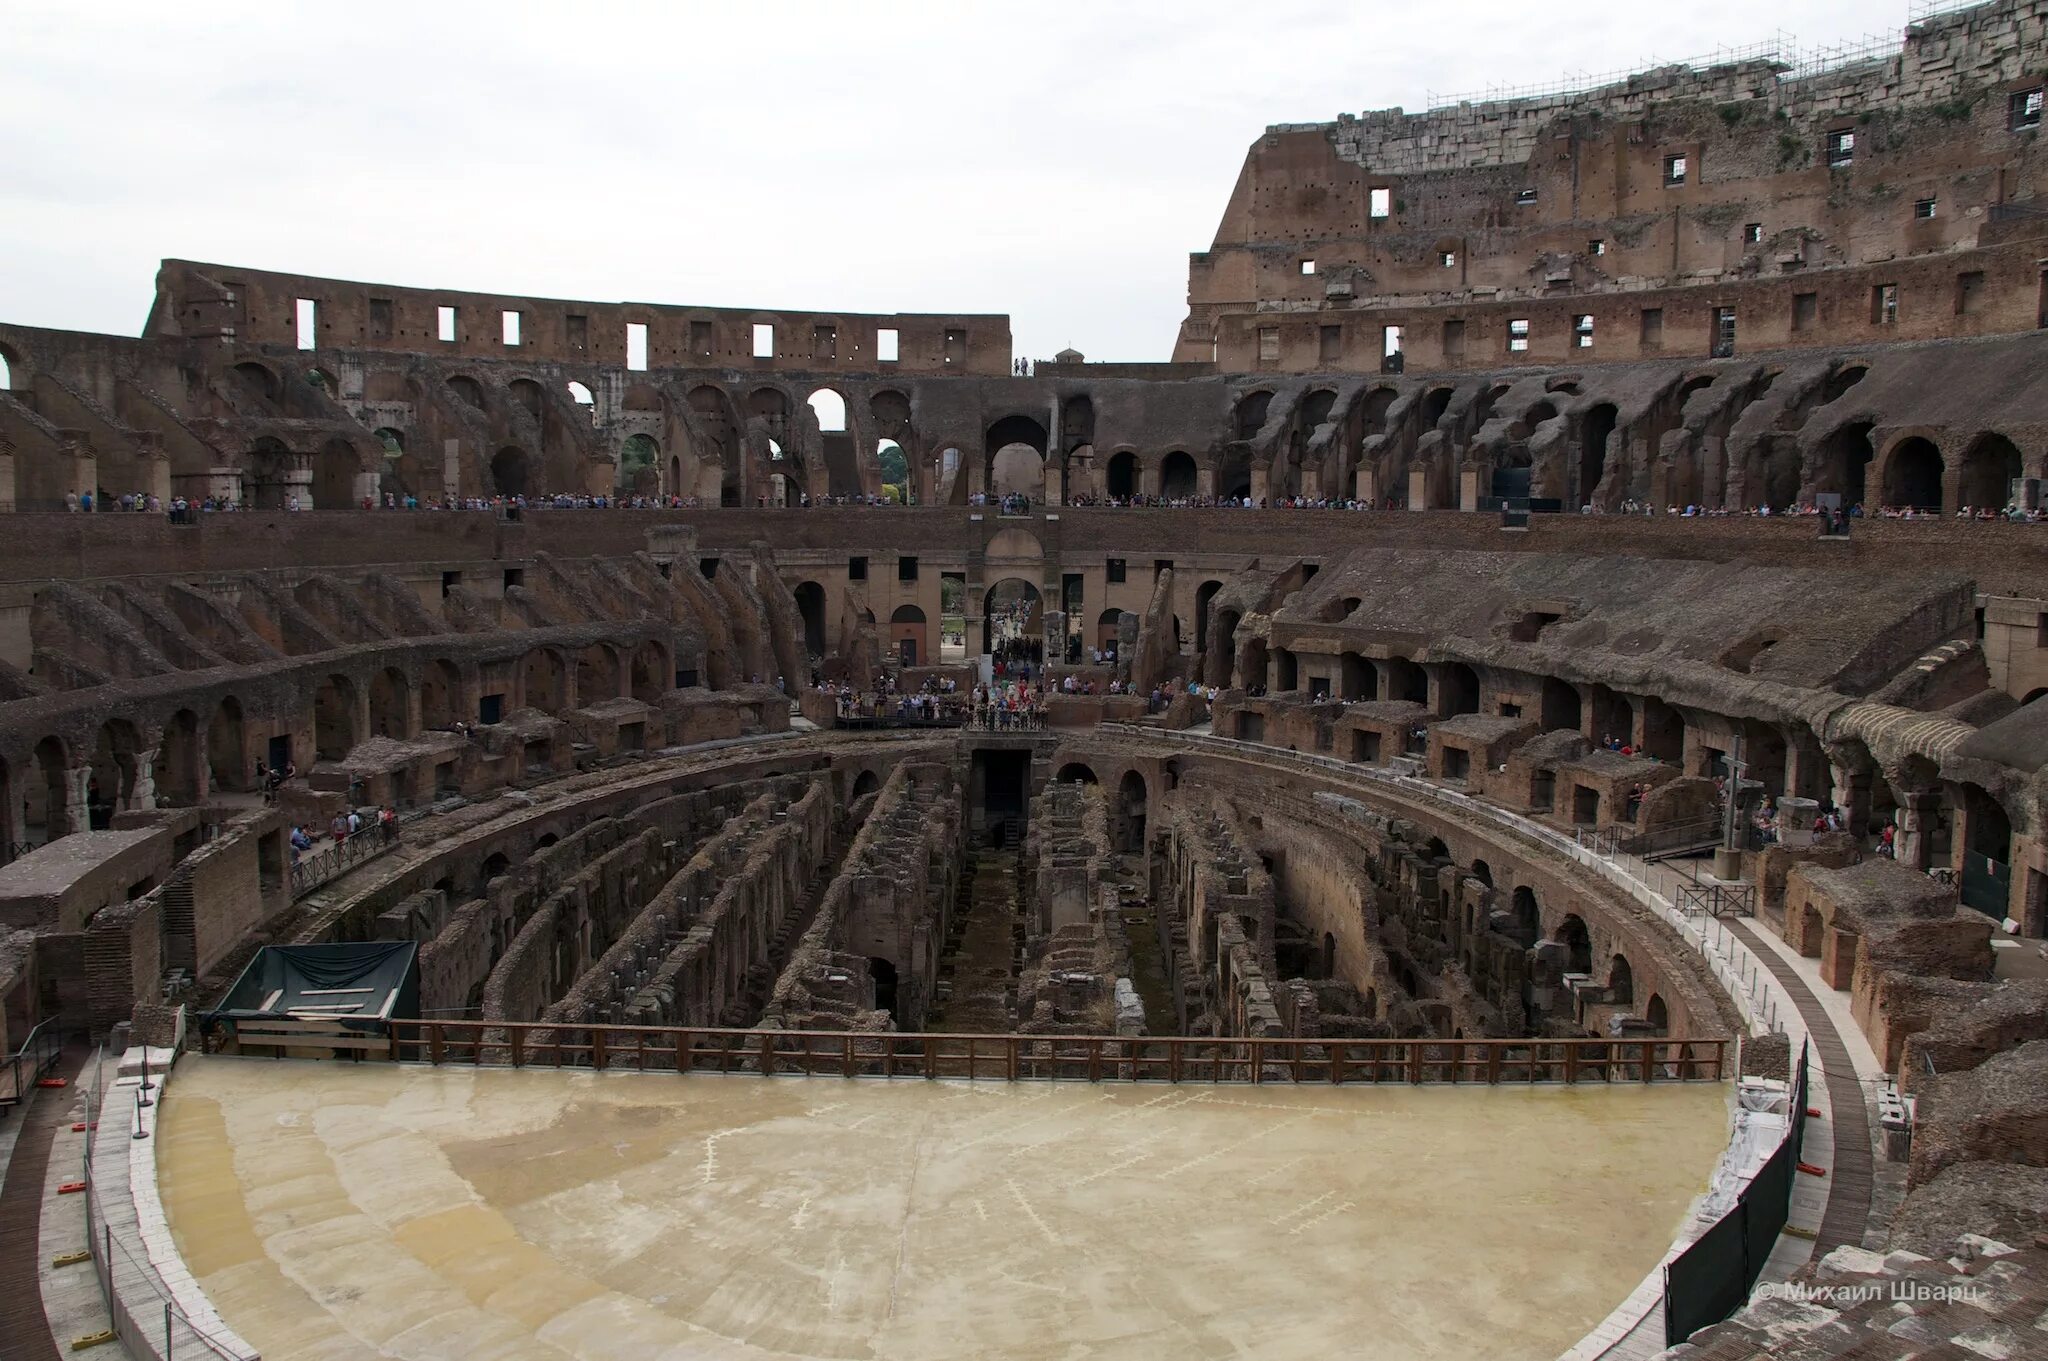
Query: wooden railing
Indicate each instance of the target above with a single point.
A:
(1069, 1058)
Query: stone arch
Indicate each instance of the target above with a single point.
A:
(829, 405)
(1458, 690)
(542, 675)
(1483, 872)
(1014, 545)
(441, 695)
(1657, 1014)
(1562, 707)
(259, 378)
(866, 783)
(334, 718)
(810, 608)
(227, 756)
(11, 368)
(1621, 985)
(511, 472)
(1120, 475)
(651, 672)
(583, 396)
(1840, 381)
(1013, 429)
(334, 475)
(597, 674)
(527, 395)
(1594, 432)
(1205, 594)
(1578, 944)
(1177, 475)
(390, 704)
(1406, 680)
(639, 467)
(1248, 413)
(1845, 462)
(1989, 467)
(46, 812)
(1912, 474)
(468, 390)
(1076, 772)
(178, 756)
(1032, 600)
(1131, 805)
(1527, 914)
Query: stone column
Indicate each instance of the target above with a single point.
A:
(143, 794)
(77, 810)
(1916, 821)
(1851, 793)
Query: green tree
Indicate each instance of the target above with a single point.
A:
(895, 467)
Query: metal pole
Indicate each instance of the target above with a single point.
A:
(167, 1330)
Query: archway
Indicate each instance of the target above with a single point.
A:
(1130, 798)
(1594, 434)
(1561, 706)
(6, 369)
(510, 472)
(1912, 475)
(390, 705)
(597, 675)
(1177, 476)
(1075, 772)
(176, 771)
(1578, 944)
(810, 607)
(334, 475)
(46, 812)
(1012, 620)
(1527, 928)
(1459, 690)
(1204, 593)
(1013, 429)
(1845, 462)
(907, 635)
(1621, 986)
(1657, 1014)
(334, 718)
(468, 390)
(1248, 417)
(441, 695)
(227, 760)
(866, 783)
(651, 673)
(639, 466)
(1483, 872)
(1405, 680)
(541, 676)
(882, 974)
(1017, 469)
(1108, 625)
(831, 410)
(1121, 477)
(1989, 470)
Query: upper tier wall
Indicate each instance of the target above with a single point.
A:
(262, 307)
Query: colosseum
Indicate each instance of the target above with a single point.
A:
(1494, 805)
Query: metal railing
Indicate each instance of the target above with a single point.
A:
(154, 1326)
(311, 871)
(20, 1070)
(1061, 1058)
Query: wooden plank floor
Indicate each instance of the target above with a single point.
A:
(1850, 1179)
(24, 1327)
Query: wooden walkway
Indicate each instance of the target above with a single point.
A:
(24, 1326)
(1851, 1178)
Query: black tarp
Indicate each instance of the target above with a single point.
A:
(359, 986)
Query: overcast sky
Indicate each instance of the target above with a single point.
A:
(1053, 161)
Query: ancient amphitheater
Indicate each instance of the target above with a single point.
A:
(1493, 806)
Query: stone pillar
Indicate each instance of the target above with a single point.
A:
(1368, 486)
(224, 484)
(77, 809)
(1468, 489)
(366, 488)
(1851, 794)
(1418, 489)
(298, 482)
(143, 793)
(1916, 819)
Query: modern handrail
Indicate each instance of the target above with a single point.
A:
(26, 1066)
(1023, 1057)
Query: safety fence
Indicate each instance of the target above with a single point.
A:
(1712, 1278)
(311, 871)
(1067, 1058)
(146, 1320)
(20, 1071)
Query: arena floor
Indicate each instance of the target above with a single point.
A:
(345, 1211)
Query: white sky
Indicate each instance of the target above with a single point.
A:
(1056, 161)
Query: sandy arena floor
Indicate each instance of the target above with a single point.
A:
(342, 1211)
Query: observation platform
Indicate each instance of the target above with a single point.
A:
(393, 1210)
